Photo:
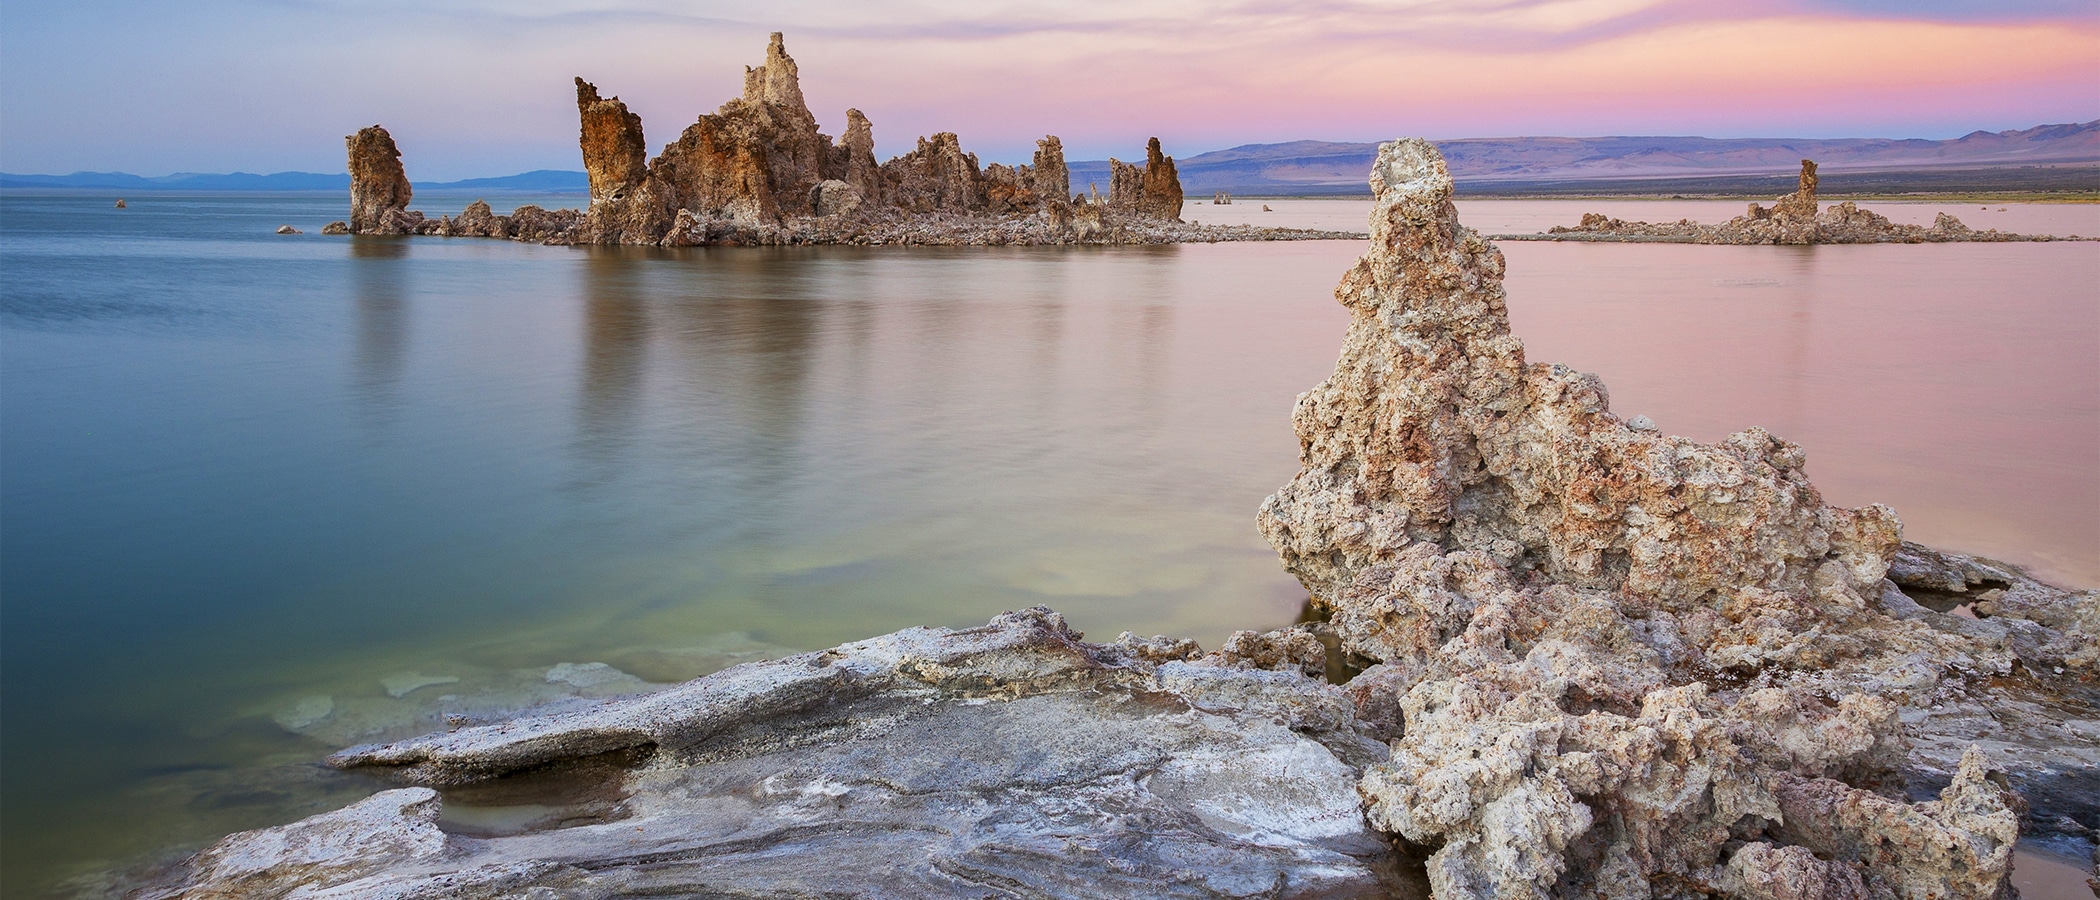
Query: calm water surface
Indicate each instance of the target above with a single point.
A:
(241, 472)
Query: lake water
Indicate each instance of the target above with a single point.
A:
(253, 487)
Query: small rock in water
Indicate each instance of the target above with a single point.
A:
(120, 203)
(1265, 208)
(287, 229)
(408, 682)
(306, 712)
(585, 675)
(336, 228)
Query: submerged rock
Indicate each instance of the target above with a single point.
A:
(1793, 219)
(1613, 662)
(1009, 760)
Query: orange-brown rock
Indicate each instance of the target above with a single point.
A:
(1801, 204)
(615, 155)
(936, 177)
(853, 160)
(1161, 196)
(757, 171)
(754, 160)
(1126, 186)
(1052, 180)
(1152, 190)
(379, 191)
(1009, 189)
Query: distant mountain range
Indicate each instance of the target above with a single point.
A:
(1482, 165)
(1302, 167)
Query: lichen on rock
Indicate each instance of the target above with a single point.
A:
(1611, 662)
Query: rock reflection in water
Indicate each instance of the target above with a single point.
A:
(379, 273)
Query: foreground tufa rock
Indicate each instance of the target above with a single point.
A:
(1008, 760)
(757, 171)
(1615, 663)
(1793, 219)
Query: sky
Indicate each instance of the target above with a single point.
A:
(482, 87)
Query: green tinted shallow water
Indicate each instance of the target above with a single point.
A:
(240, 473)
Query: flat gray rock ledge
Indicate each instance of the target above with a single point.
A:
(1012, 760)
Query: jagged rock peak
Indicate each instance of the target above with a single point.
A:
(853, 160)
(378, 184)
(615, 154)
(777, 81)
(1153, 189)
(1053, 181)
(1162, 184)
(937, 176)
(1801, 204)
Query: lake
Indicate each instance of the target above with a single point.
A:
(264, 495)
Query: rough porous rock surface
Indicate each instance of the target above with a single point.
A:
(1793, 219)
(1162, 185)
(1612, 662)
(757, 171)
(1152, 190)
(615, 156)
(1053, 181)
(936, 176)
(1012, 760)
(2029, 696)
(379, 190)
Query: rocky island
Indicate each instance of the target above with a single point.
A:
(757, 171)
(1553, 654)
(1793, 219)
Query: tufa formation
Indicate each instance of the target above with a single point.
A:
(757, 171)
(1792, 219)
(1617, 663)
(379, 191)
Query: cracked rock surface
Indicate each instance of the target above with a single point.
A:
(1013, 760)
